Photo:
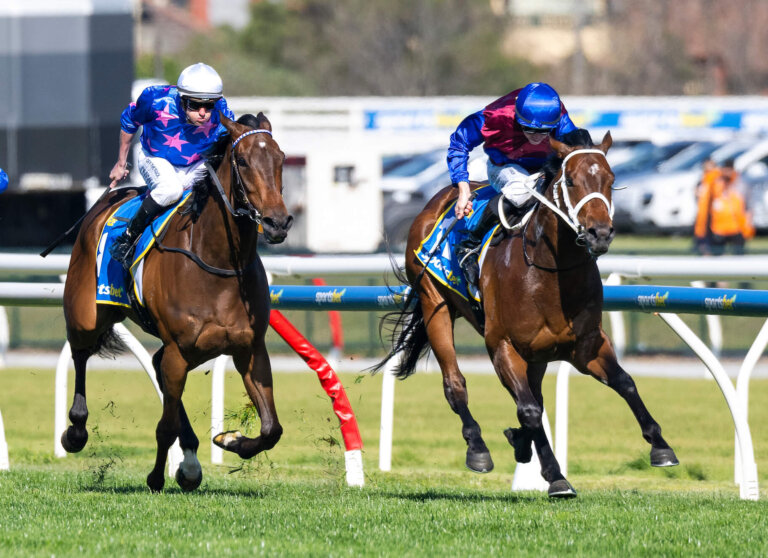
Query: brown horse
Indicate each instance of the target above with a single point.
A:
(542, 300)
(205, 291)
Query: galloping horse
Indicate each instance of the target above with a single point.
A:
(543, 301)
(205, 290)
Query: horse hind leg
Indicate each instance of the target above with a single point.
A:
(256, 372)
(606, 368)
(439, 324)
(74, 438)
(189, 475)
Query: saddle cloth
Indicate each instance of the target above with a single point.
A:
(444, 266)
(113, 281)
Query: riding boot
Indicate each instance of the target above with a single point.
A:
(468, 250)
(124, 245)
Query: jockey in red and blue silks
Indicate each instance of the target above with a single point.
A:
(181, 125)
(514, 131)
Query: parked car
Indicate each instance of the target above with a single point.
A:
(665, 201)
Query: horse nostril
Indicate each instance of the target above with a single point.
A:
(282, 224)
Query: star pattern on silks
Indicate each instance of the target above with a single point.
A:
(194, 157)
(149, 146)
(165, 115)
(174, 141)
(205, 128)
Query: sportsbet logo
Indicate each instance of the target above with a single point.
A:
(720, 303)
(653, 301)
(111, 291)
(330, 296)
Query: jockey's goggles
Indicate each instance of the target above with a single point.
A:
(529, 130)
(197, 104)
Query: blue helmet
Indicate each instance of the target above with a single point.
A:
(538, 106)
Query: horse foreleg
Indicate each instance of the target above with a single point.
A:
(75, 437)
(523, 381)
(189, 474)
(439, 325)
(256, 372)
(606, 368)
(173, 369)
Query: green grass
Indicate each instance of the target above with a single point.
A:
(293, 500)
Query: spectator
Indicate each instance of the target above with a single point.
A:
(723, 219)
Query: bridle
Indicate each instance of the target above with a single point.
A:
(571, 217)
(238, 185)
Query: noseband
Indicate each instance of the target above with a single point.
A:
(571, 217)
(238, 185)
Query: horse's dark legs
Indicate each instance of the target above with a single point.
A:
(256, 371)
(190, 474)
(523, 381)
(173, 369)
(439, 325)
(605, 367)
(75, 437)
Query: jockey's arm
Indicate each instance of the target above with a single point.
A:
(466, 137)
(120, 170)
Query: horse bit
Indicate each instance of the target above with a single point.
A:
(571, 218)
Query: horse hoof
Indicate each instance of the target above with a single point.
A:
(188, 484)
(521, 443)
(155, 482)
(663, 457)
(229, 440)
(479, 462)
(561, 489)
(74, 442)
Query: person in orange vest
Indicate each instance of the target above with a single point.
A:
(723, 218)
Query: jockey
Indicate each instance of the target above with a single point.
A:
(181, 125)
(514, 131)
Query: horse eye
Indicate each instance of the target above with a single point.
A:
(569, 182)
(241, 162)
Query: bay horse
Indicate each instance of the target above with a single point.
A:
(205, 290)
(542, 300)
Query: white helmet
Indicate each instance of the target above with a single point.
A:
(200, 81)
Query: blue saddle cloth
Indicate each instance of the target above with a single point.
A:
(113, 281)
(444, 265)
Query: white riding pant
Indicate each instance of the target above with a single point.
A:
(166, 181)
(510, 180)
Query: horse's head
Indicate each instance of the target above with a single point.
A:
(257, 174)
(584, 187)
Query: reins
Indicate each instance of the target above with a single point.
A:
(249, 211)
(570, 218)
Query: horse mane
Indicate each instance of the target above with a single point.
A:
(201, 189)
(578, 137)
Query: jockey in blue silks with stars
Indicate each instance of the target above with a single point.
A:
(181, 125)
(514, 131)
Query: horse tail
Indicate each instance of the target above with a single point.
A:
(109, 344)
(409, 336)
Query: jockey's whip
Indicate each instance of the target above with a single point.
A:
(74, 227)
(432, 252)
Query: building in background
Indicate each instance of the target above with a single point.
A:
(67, 68)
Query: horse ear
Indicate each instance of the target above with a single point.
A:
(560, 149)
(607, 142)
(229, 124)
(263, 122)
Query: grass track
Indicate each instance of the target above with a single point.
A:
(293, 501)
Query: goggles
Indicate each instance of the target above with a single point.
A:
(197, 104)
(529, 130)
